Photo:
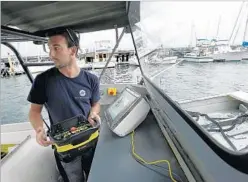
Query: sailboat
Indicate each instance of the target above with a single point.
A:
(226, 51)
(245, 39)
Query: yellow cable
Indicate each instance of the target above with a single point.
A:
(152, 162)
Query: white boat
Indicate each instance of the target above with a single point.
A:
(165, 60)
(224, 109)
(18, 70)
(170, 60)
(200, 52)
(38, 69)
(97, 56)
(193, 57)
(82, 64)
(245, 58)
(11, 68)
(222, 48)
(161, 56)
(222, 51)
(95, 64)
(231, 56)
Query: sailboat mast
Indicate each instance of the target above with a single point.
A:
(191, 35)
(241, 7)
(217, 33)
(246, 25)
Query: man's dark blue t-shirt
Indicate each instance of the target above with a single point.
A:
(65, 97)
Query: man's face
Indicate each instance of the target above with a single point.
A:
(59, 51)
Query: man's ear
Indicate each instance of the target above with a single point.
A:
(74, 51)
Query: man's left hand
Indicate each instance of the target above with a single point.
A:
(93, 117)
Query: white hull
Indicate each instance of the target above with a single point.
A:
(170, 60)
(166, 60)
(38, 69)
(231, 56)
(95, 65)
(222, 106)
(199, 59)
(17, 69)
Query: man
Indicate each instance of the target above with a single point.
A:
(68, 91)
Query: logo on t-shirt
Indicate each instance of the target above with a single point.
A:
(82, 93)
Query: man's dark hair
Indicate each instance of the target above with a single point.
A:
(70, 36)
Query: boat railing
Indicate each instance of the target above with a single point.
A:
(14, 150)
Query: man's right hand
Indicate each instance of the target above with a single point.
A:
(41, 138)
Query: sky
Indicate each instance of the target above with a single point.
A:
(176, 19)
(172, 24)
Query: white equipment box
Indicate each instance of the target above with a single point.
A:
(126, 112)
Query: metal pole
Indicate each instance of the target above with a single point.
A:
(44, 48)
(135, 48)
(116, 34)
(116, 45)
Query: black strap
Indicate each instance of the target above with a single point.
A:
(61, 168)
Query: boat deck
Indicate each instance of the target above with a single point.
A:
(113, 160)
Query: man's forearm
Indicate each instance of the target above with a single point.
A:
(96, 108)
(35, 120)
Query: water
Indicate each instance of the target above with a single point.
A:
(14, 106)
(181, 82)
(13, 103)
(189, 81)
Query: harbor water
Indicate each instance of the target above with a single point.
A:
(181, 82)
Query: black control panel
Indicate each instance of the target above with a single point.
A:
(69, 127)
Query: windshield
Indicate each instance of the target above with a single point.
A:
(196, 53)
